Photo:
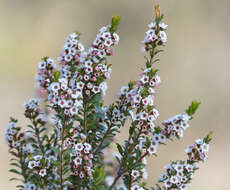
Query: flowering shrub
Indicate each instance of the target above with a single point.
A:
(65, 145)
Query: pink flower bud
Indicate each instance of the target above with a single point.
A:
(91, 156)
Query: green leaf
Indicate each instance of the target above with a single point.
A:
(119, 147)
(98, 176)
(15, 164)
(56, 75)
(15, 171)
(96, 98)
(115, 23)
(15, 179)
(208, 138)
(131, 130)
(192, 108)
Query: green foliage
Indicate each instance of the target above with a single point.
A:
(192, 108)
(115, 22)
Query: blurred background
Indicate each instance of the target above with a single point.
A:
(195, 65)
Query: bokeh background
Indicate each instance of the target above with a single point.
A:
(195, 65)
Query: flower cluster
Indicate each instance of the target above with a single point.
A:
(38, 163)
(46, 68)
(155, 33)
(33, 112)
(31, 186)
(198, 151)
(12, 135)
(176, 125)
(82, 156)
(73, 50)
(179, 173)
(70, 132)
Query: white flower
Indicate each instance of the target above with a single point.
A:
(145, 101)
(86, 77)
(68, 57)
(42, 172)
(101, 53)
(80, 85)
(88, 63)
(144, 115)
(155, 113)
(163, 25)
(103, 86)
(31, 164)
(183, 187)
(151, 118)
(96, 89)
(205, 147)
(163, 36)
(31, 104)
(136, 187)
(62, 103)
(77, 161)
(137, 99)
(199, 141)
(135, 173)
(78, 104)
(151, 32)
(116, 37)
(106, 35)
(144, 79)
(156, 138)
(88, 70)
(30, 186)
(155, 81)
(162, 138)
(81, 175)
(87, 146)
(68, 44)
(37, 157)
(73, 35)
(179, 167)
(174, 179)
(109, 180)
(79, 147)
(72, 51)
(74, 110)
(55, 86)
(89, 85)
(103, 29)
(151, 90)
(186, 117)
(80, 47)
(63, 80)
(144, 173)
(76, 95)
(189, 167)
(51, 62)
(150, 100)
(152, 25)
(184, 125)
(42, 65)
(152, 150)
(167, 183)
(69, 103)
(108, 42)
(116, 112)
